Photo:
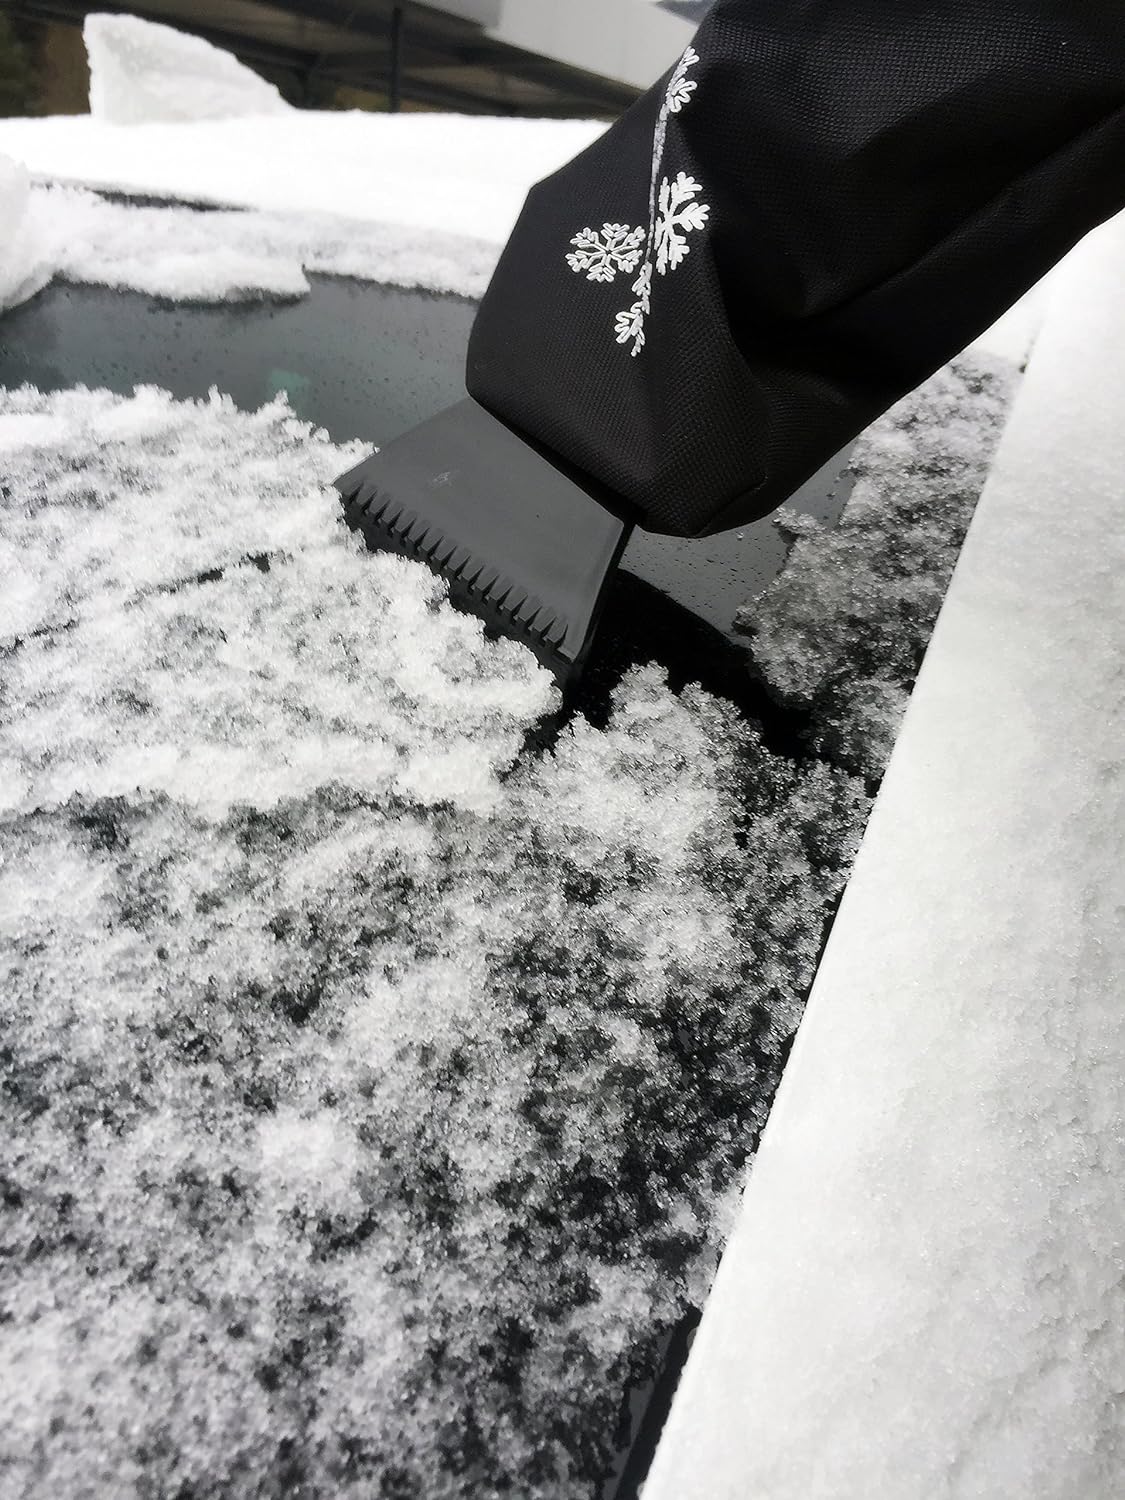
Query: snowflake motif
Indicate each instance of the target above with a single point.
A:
(601, 255)
(631, 324)
(677, 214)
(681, 87)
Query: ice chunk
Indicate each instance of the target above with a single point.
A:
(141, 72)
(25, 266)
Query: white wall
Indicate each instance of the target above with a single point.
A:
(632, 41)
(484, 12)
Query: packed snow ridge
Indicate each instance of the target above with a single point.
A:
(142, 72)
(25, 262)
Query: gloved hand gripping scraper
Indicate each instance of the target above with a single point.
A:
(818, 206)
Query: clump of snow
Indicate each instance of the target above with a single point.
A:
(142, 72)
(373, 1100)
(794, 523)
(840, 634)
(186, 255)
(25, 264)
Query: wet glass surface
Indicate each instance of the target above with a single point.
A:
(362, 361)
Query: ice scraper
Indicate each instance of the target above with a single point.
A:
(521, 540)
(814, 209)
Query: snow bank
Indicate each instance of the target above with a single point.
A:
(433, 176)
(142, 72)
(25, 263)
(924, 1293)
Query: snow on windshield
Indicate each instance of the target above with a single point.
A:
(378, 1096)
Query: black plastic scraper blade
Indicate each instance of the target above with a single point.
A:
(521, 543)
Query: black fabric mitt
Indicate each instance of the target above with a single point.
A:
(819, 205)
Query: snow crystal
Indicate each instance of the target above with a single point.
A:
(141, 72)
(25, 265)
(374, 1098)
(924, 1293)
(840, 634)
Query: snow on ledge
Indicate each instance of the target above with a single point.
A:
(460, 174)
(410, 200)
(142, 72)
(923, 1295)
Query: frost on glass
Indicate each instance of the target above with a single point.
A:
(840, 635)
(373, 1096)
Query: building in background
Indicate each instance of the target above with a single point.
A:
(515, 57)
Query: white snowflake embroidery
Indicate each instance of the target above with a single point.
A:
(602, 255)
(681, 87)
(665, 240)
(631, 324)
(678, 213)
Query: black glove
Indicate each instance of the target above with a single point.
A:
(821, 204)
